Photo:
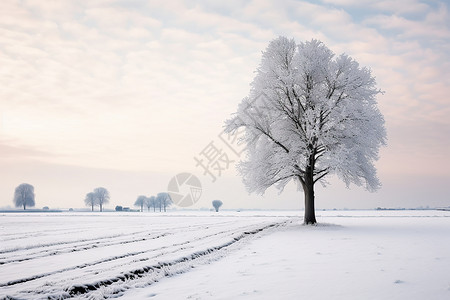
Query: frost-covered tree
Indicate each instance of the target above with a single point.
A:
(24, 195)
(217, 204)
(151, 202)
(163, 200)
(140, 201)
(309, 114)
(90, 200)
(101, 196)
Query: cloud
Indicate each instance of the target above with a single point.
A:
(94, 80)
(410, 28)
(398, 7)
(401, 7)
(12, 152)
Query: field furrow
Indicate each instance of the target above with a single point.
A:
(127, 252)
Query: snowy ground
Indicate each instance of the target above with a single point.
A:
(203, 255)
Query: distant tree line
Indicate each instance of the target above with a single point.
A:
(24, 197)
(161, 201)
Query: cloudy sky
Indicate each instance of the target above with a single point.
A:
(124, 94)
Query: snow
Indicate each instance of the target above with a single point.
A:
(226, 255)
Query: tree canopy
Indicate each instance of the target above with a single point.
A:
(24, 195)
(151, 202)
(90, 200)
(309, 114)
(164, 200)
(217, 204)
(101, 196)
(140, 201)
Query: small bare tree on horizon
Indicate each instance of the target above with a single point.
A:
(90, 200)
(217, 204)
(164, 201)
(151, 202)
(24, 196)
(140, 201)
(101, 196)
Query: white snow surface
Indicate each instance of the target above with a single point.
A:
(226, 255)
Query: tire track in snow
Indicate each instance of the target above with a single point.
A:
(157, 270)
(164, 269)
(82, 247)
(62, 243)
(106, 260)
(84, 240)
(13, 236)
(23, 280)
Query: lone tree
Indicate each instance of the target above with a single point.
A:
(90, 200)
(164, 201)
(151, 202)
(309, 114)
(101, 196)
(24, 196)
(140, 201)
(217, 204)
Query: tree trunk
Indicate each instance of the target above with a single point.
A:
(101, 209)
(92, 207)
(24, 206)
(217, 209)
(308, 188)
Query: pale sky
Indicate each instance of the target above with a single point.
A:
(123, 94)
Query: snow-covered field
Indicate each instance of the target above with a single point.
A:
(226, 255)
